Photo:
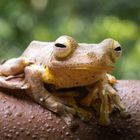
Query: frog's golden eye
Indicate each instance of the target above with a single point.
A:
(64, 46)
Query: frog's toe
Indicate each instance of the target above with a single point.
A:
(109, 99)
(69, 110)
(25, 86)
(67, 114)
(104, 119)
(111, 79)
(115, 98)
(83, 114)
(125, 114)
(86, 117)
(68, 118)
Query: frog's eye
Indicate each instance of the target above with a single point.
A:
(64, 46)
(118, 49)
(60, 45)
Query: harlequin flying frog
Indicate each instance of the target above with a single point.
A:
(67, 64)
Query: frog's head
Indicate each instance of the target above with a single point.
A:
(67, 53)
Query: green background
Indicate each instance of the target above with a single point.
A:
(89, 21)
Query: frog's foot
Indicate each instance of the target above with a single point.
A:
(111, 79)
(34, 76)
(13, 82)
(115, 98)
(83, 114)
(109, 99)
(68, 98)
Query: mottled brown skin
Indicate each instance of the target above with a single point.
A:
(67, 64)
(22, 119)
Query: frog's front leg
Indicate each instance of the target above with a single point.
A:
(109, 99)
(103, 97)
(12, 69)
(34, 75)
(14, 66)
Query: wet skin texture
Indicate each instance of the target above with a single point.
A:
(66, 64)
(21, 118)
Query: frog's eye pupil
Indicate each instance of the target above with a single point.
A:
(59, 45)
(118, 48)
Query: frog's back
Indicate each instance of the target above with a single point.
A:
(39, 52)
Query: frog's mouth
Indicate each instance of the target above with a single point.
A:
(86, 67)
(94, 69)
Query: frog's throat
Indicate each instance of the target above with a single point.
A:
(48, 75)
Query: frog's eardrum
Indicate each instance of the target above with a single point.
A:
(20, 118)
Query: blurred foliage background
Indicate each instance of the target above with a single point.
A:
(22, 21)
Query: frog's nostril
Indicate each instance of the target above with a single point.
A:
(118, 48)
(59, 45)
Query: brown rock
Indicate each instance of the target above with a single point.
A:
(21, 118)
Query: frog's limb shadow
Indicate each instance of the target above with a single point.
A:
(34, 76)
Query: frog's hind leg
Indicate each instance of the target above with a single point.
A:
(103, 98)
(10, 76)
(34, 75)
(13, 66)
(13, 82)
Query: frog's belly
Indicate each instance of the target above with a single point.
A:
(68, 79)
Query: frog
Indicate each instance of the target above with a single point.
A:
(65, 64)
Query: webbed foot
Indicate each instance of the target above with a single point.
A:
(83, 114)
(109, 99)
